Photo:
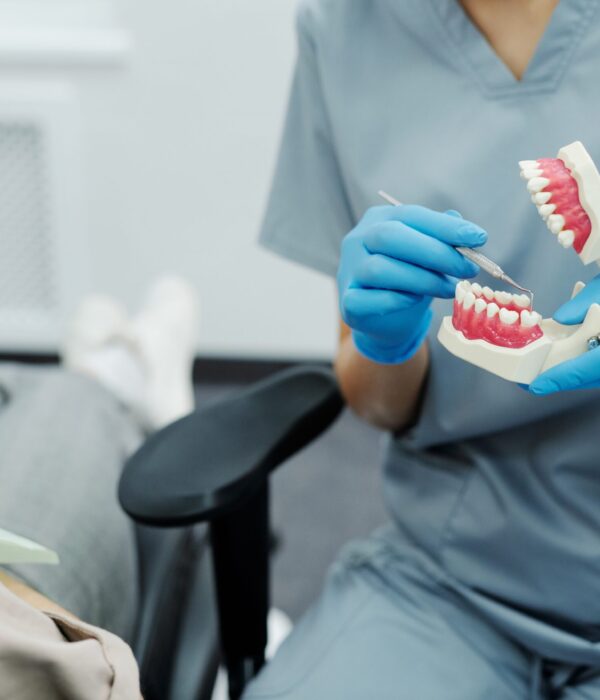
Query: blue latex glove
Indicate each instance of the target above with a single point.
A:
(582, 372)
(392, 264)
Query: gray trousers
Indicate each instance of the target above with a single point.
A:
(63, 442)
(389, 627)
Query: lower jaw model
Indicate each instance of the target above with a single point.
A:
(500, 332)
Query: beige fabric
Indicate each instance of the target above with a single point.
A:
(59, 658)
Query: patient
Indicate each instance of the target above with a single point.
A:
(65, 435)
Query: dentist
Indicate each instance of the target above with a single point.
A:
(486, 582)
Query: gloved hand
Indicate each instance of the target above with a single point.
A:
(582, 372)
(392, 264)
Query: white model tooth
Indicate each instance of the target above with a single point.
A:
(527, 319)
(492, 310)
(537, 184)
(469, 300)
(541, 198)
(546, 209)
(476, 289)
(566, 238)
(464, 287)
(459, 293)
(503, 298)
(522, 300)
(528, 164)
(488, 293)
(530, 173)
(480, 305)
(508, 317)
(556, 223)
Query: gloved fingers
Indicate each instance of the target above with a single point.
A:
(574, 311)
(357, 304)
(396, 240)
(445, 227)
(579, 373)
(549, 388)
(382, 272)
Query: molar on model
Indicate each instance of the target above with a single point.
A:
(522, 300)
(566, 192)
(508, 317)
(566, 238)
(503, 298)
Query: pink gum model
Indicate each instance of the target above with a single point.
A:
(499, 318)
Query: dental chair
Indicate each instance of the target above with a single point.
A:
(199, 492)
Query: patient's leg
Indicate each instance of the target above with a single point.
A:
(65, 435)
(63, 442)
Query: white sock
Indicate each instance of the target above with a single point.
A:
(164, 332)
(146, 363)
(117, 368)
(97, 343)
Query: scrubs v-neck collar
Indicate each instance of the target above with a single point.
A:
(560, 40)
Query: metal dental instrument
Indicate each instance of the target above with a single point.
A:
(475, 256)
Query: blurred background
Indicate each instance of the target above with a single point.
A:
(138, 138)
(129, 132)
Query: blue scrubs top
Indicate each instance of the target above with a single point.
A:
(501, 489)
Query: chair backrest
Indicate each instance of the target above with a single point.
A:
(176, 604)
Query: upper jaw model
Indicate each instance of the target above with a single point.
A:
(499, 332)
(566, 191)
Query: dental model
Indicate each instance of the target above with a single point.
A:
(566, 191)
(500, 333)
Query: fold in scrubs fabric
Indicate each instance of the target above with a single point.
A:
(500, 489)
(391, 625)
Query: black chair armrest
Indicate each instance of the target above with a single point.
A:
(214, 465)
(206, 463)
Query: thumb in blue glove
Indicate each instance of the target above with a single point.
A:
(581, 372)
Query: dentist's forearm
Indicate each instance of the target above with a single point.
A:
(386, 396)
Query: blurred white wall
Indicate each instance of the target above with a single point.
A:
(180, 108)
